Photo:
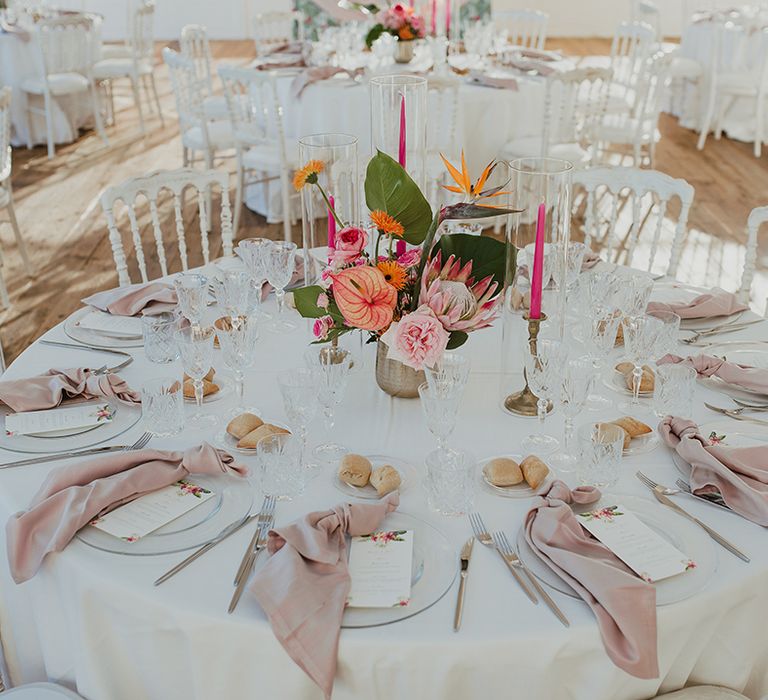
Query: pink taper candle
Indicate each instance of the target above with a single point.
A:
(400, 247)
(433, 19)
(448, 19)
(331, 228)
(538, 265)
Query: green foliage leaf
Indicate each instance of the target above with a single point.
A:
(457, 339)
(305, 299)
(389, 188)
(488, 255)
(375, 32)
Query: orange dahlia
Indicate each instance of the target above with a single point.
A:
(393, 272)
(307, 174)
(387, 224)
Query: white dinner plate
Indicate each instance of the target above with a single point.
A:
(124, 418)
(679, 293)
(225, 389)
(688, 537)
(408, 477)
(94, 338)
(231, 502)
(521, 490)
(435, 564)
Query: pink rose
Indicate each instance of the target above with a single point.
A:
(410, 257)
(417, 340)
(322, 300)
(321, 327)
(350, 243)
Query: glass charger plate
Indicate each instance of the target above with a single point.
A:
(124, 418)
(743, 352)
(521, 490)
(680, 532)
(435, 565)
(232, 501)
(94, 338)
(408, 477)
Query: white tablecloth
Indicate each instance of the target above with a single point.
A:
(94, 621)
(19, 60)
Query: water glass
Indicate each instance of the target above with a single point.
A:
(576, 379)
(440, 409)
(254, 253)
(281, 263)
(196, 350)
(673, 391)
(162, 406)
(600, 448)
(667, 340)
(192, 294)
(282, 473)
(159, 332)
(450, 481)
(542, 372)
(299, 389)
(449, 374)
(237, 338)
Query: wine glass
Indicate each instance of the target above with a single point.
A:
(541, 370)
(281, 263)
(282, 472)
(331, 367)
(440, 409)
(192, 295)
(233, 291)
(576, 377)
(449, 374)
(567, 268)
(196, 350)
(601, 340)
(635, 293)
(667, 341)
(299, 388)
(640, 336)
(253, 252)
(599, 289)
(237, 338)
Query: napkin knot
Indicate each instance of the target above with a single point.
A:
(560, 491)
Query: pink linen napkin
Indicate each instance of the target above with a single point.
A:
(479, 78)
(718, 302)
(529, 64)
(303, 586)
(753, 378)
(624, 604)
(537, 55)
(133, 299)
(73, 495)
(738, 474)
(56, 385)
(317, 74)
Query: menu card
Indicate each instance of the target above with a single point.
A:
(57, 419)
(380, 567)
(134, 520)
(112, 325)
(648, 554)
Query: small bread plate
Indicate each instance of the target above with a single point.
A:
(408, 477)
(521, 490)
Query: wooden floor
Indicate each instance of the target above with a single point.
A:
(62, 222)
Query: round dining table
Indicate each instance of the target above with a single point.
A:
(94, 621)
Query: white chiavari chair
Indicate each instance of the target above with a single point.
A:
(743, 75)
(271, 30)
(195, 47)
(632, 45)
(647, 11)
(199, 133)
(649, 193)
(757, 217)
(443, 108)
(524, 27)
(149, 187)
(139, 66)
(65, 56)
(256, 116)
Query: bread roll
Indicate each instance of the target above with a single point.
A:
(627, 436)
(208, 388)
(634, 427)
(355, 470)
(503, 471)
(243, 424)
(624, 367)
(385, 479)
(647, 380)
(534, 471)
(265, 430)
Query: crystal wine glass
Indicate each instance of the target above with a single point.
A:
(542, 371)
(668, 336)
(254, 253)
(299, 388)
(281, 263)
(601, 340)
(232, 289)
(640, 336)
(440, 409)
(574, 258)
(237, 338)
(192, 294)
(449, 374)
(576, 377)
(196, 350)
(635, 293)
(282, 472)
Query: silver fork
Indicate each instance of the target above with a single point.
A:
(713, 498)
(484, 537)
(734, 413)
(142, 442)
(510, 556)
(651, 484)
(751, 406)
(729, 327)
(682, 487)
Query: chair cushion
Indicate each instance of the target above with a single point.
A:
(531, 146)
(119, 68)
(704, 692)
(266, 156)
(219, 136)
(115, 51)
(59, 84)
(618, 128)
(215, 107)
(685, 68)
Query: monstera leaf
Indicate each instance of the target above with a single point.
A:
(488, 255)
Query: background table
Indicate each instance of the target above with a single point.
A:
(93, 620)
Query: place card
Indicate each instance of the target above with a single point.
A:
(134, 520)
(648, 554)
(380, 566)
(58, 419)
(112, 325)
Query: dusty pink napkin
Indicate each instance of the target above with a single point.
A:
(537, 55)
(303, 586)
(133, 299)
(480, 78)
(73, 495)
(752, 378)
(738, 474)
(624, 604)
(529, 64)
(718, 302)
(56, 385)
(314, 75)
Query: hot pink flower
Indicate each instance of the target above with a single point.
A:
(350, 243)
(418, 339)
(321, 326)
(322, 300)
(410, 258)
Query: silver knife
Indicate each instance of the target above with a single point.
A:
(727, 328)
(78, 346)
(466, 555)
(65, 455)
(716, 536)
(260, 544)
(735, 416)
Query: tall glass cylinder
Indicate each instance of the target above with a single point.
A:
(399, 122)
(339, 179)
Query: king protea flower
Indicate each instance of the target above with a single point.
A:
(456, 299)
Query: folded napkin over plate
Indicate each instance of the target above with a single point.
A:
(73, 495)
(624, 604)
(134, 299)
(738, 474)
(718, 302)
(56, 385)
(526, 65)
(315, 75)
(752, 378)
(303, 587)
(500, 83)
